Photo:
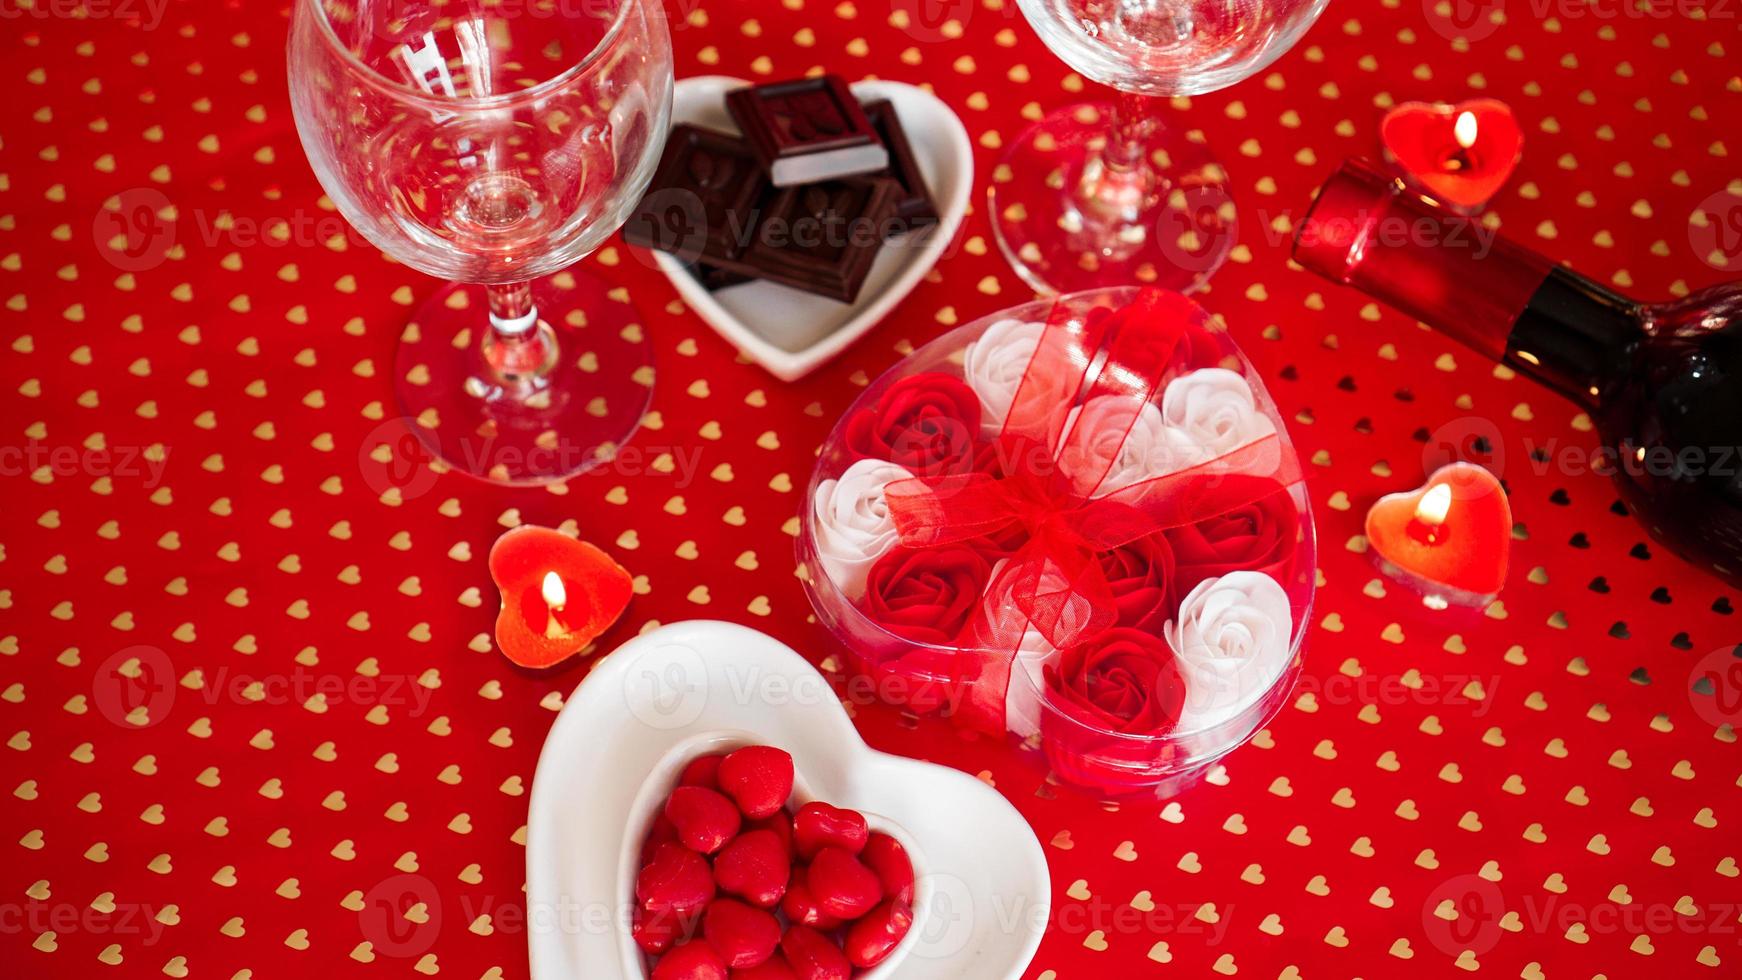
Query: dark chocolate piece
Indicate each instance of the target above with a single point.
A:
(702, 202)
(713, 278)
(807, 130)
(915, 207)
(824, 237)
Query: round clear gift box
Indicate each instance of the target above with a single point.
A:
(1079, 523)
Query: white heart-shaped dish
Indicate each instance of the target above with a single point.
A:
(791, 332)
(982, 893)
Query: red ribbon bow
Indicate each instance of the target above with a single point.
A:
(1056, 581)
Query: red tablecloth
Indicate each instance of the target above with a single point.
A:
(189, 471)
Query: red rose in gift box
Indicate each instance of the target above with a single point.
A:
(929, 423)
(1141, 577)
(927, 596)
(1124, 680)
(1257, 537)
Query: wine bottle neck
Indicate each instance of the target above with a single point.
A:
(1574, 336)
(1448, 270)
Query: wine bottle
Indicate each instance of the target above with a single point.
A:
(1662, 381)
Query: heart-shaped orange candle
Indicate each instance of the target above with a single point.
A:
(1450, 539)
(1461, 154)
(558, 594)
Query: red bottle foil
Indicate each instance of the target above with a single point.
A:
(1367, 229)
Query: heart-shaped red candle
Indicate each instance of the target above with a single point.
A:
(558, 594)
(1452, 536)
(1461, 153)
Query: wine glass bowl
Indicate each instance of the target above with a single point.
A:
(494, 145)
(1102, 195)
(1170, 47)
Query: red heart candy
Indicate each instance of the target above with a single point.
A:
(705, 819)
(801, 906)
(694, 960)
(780, 825)
(873, 938)
(1420, 136)
(774, 968)
(885, 855)
(654, 932)
(843, 886)
(758, 778)
(701, 772)
(662, 830)
(819, 825)
(754, 867)
(743, 936)
(889, 860)
(1467, 550)
(814, 956)
(676, 880)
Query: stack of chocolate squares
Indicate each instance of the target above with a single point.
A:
(807, 197)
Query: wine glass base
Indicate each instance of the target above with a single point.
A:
(567, 419)
(1067, 221)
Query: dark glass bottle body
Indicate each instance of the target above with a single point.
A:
(1661, 381)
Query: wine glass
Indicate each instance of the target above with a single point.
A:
(492, 145)
(1103, 195)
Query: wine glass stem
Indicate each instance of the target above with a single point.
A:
(1133, 125)
(1120, 183)
(520, 349)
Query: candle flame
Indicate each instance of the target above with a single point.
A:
(1464, 130)
(555, 596)
(1434, 505)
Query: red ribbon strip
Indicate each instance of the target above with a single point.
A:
(1056, 581)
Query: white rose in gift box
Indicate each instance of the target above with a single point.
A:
(1033, 651)
(994, 364)
(1232, 636)
(1213, 411)
(1126, 440)
(853, 526)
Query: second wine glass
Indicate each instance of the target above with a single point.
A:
(1100, 194)
(493, 145)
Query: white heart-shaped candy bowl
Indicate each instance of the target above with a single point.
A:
(791, 332)
(982, 893)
